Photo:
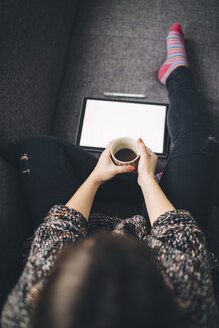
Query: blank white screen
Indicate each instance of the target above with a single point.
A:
(107, 120)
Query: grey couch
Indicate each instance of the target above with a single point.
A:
(37, 42)
(34, 38)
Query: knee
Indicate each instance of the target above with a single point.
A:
(35, 143)
(210, 145)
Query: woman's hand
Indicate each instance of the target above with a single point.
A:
(106, 169)
(147, 162)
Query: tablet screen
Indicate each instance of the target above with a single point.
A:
(103, 120)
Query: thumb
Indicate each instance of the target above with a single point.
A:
(141, 146)
(125, 169)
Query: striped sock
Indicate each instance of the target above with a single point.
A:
(158, 176)
(176, 54)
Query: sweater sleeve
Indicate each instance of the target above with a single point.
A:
(179, 229)
(181, 249)
(60, 226)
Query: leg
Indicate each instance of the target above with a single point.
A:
(52, 170)
(186, 112)
(46, 176)
(188, 177)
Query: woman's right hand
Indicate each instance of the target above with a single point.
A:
(147, 162)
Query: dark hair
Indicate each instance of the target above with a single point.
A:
(105, 281)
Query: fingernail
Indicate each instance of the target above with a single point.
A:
(139, 140)
(132, 168)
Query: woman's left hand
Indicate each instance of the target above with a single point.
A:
(106, 169)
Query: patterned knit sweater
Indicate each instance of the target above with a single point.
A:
(175, 237)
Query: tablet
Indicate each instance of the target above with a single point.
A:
(103, 120)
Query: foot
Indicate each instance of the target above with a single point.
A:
(176, 53)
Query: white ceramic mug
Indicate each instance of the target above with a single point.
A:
(121, 143)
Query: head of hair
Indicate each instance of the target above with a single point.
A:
(106, 281)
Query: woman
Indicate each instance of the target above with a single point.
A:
(112, 281)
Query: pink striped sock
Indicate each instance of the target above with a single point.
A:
(176, 53)
(158, 176)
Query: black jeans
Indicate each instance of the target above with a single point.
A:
(52, 169)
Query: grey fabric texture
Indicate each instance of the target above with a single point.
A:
(34, 39)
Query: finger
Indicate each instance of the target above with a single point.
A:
(125, 169)
(148, 149)
(141, 146)
(110, 143)
(150, 152)
(107, 150)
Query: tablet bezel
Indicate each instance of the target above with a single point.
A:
(166, 144)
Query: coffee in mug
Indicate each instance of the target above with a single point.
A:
(124, 151)
(125, 155)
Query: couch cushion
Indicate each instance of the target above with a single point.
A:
(34, 41)
(14, 228)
